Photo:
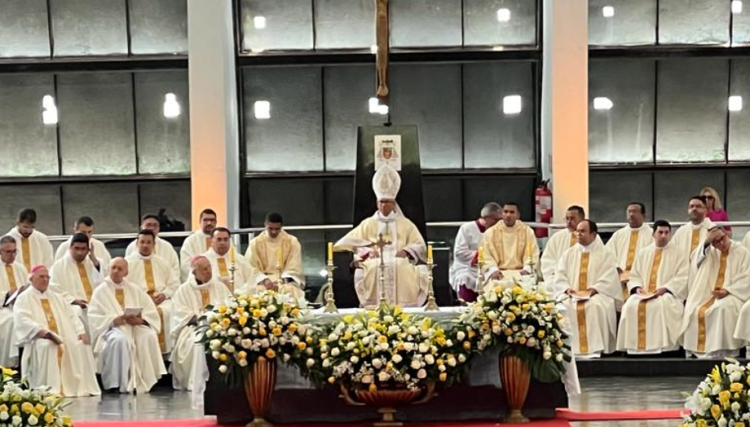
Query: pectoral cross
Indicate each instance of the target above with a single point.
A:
(382, 35)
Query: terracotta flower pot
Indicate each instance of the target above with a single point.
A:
(515, 377)
(259, 385)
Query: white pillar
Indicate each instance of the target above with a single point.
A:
(565, 103)
(214, 129)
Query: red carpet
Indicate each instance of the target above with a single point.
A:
(666, 414)
(212, 423)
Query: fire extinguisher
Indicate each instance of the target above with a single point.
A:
(543, 207)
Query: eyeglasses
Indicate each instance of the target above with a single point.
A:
(710, 197)
(6, 252)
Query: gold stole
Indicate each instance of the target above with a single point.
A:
(704, 308)
(11, 278)
(583, 285)
(84, 275)
(694, 240)
(205, 297)
(630, 258)
(642, 305)
(52, 325)
(222, 267)
(520, 246)
(573, 239)
(151, 290)
(120, 297)
(261, 252)
(26, 251)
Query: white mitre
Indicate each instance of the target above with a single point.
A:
(386, 182)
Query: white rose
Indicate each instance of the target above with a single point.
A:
(246, 343)
(215, 355)
(366, 379)
(421, 374)
(497, 330)
(388, 319)
(377, 364)
(460, 335)
(366, 340)
(490, 297)
(461, 358)
(354, 359)
(441, 368)
(335, 352)
(397, 358)
(243, 362)
(735, 376)
(492, 315)
(429, 359)
(722, 422)
(559, 357)
(326, 363)
(716, 390)
(546, 355)
(33, 420)
(4, 416)
(16, 421)
(393, 329)
(415, 364)
(424, 348)
(350, 345)
(451, 362)
(531, 342)
(271, 309)
(309, 351)
(223, 369)
(310, 363)
(383, 376)
(413, 330)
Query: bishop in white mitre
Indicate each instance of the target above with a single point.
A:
(720, 287)
(510, 248)
(156, 278)
(587, 273)
(85, 225)
(124, 330)
(162, 248)
(198, 243)
(627, 242)
(275, 259)
(56, 350)
(405, 281)
(464, 270)
(33, 246)
(227, 266)
(13, 278)
(691, 235)
(651, 320)
(201, 290)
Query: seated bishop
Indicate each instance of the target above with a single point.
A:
(275, 258)
(719, 288)
(510, 247)
(652, 315)
(227, 266)
(201, 290)
(154, 275)
(13, 279)
(56, 350)
(124, 330)
(587, 274)
(405, 282)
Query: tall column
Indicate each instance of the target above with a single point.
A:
(214, 144)
(565, 103)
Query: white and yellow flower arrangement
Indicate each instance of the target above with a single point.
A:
(23, 407)
(722, 399)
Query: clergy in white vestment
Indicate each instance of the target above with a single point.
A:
(510, 247)
(197, 243)
(33, 246)
(651, 319)
(463, 272)
(153, 275)
(190, 302)
(56, 349)
(691, 235)
(626, 242)
(587, 274)
(162, 248)
(405, 281)
(720, 287)
(124, 332)
(13, 278)
(275, 256)
(559, 242)
(227, 266)
(85, 225)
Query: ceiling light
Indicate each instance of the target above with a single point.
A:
(736, 6)
(259, 22)
(171, 106)
(512, 104)
(375, 107)
(374, 49)
(735, 103)
(503, 15)
(262, 110)
(603, 103)
(49, 110)
(608, 11)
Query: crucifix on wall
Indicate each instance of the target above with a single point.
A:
(382, 34)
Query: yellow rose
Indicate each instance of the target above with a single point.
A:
(222, 309)
(276, 331)
(724, 397)
(40, 408)
(295, 312)
(440, 341)
(225, 322)
(49, 418)
(331, 380)
(27, 407)
(701, 423)
(716, 412)
(241, 354)
(439, 362)
(540, 334)
(382, 339)
(511, 317)
(302, 345)
(517, 290)
(67, 421)
(739, 424)
(560, 343)
(471, 333)
(522, 340)
(292, 328)
(270, 353)
(508, 332)
(443, 376)
(348, 319)
(735, 387)
(223, 357)
(14, 409)
(257, 313)
(242, 321)
(498, 289)
(240, 310)
(467, 345)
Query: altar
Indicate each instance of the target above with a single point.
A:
(477, 397)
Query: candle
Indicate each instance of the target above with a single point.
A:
(480, 254)
(429, 253)
(231, 254)
(330, 251)
(278, 257)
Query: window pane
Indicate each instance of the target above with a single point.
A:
(158, 27)
(737, 202)
(347, 90)
(339, 200)
(741, 26)
(694, 21)
(172, 197)
(291, 139)
(89, 27)
(739, 121)
(163, 143)
(507, 188)
(29, 147)
(622, 22)
(276, 25)
(44, 199)
(114, 207)
(624, 133)
(344, 24)
(425, 23)
(443, 199)
(610, 193)
(24, 29)
(303, 202)
(692, 113)
(495, 139)
(429, 96)
(673, 190)
(96, 124)
(484, 25)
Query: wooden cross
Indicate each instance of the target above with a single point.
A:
(382, 34)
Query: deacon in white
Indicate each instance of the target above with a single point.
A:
(190, 302)
(587, 273)
(463, 273)
(85, 225)
(162, 248)
(197, 243)
(154, 276)
(510, 247)
(691, 235)
(224, 259)
(124, 330)
(33, 246)
(405, 282)
(651, 319)
(627, 242)
(275, 255)
(720, 287)
(56, 350)
(13, 278)
(559, 242)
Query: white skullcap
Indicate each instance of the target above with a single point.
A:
(386, 182)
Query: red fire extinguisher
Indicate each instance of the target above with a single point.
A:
(543, 207)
